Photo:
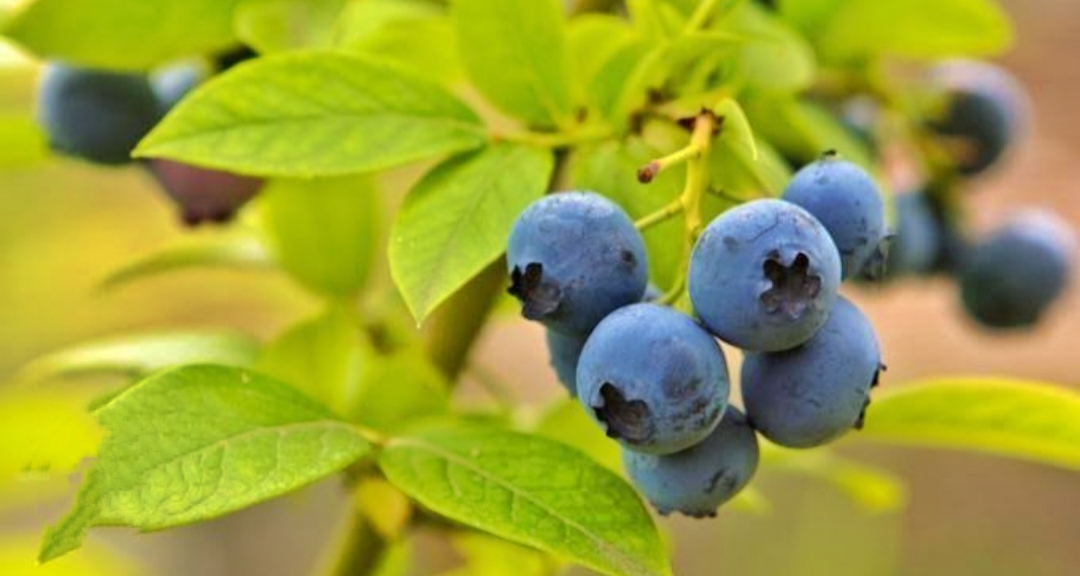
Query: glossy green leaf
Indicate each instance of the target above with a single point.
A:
(323, 232)
(916, 28)
(398, 389)
(122, 33)
(138, 355)
(611, 168)
(230, 251)
(324, 357)
(457, 219)
(314, 114)
(528, 490)
(198, 442)
(1026, 420)
(271, 26)
(515, 53)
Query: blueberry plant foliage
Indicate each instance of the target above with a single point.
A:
(683, 122)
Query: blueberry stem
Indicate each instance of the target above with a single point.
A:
(706, 126)
(662, 215)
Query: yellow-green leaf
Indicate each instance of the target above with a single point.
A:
(1026, 420)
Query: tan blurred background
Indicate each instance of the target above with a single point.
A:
(63, 226)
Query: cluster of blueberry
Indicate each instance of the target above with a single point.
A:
(1012, 276)
(100, 116)
(763, 277)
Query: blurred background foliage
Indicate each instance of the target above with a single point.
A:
(67, 226)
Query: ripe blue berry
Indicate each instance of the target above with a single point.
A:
(574, 258)
(95, 115)
(565, 350)
(764, 275)
(1012, 278)
(984, 113)
(815, 393)
(699, 479)
(917, 244)
(653, 379)
(846, 200)
(174, 83)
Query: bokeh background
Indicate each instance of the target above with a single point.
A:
(64, 226)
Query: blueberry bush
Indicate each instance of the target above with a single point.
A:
(645, 179)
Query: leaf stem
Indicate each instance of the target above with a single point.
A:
(700, 17)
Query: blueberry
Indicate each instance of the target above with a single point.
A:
(815, 393)
(846, 200)
(565, 350)
(653, 379)
(172, 84)
(574, 258)
(764, 275)
(699, 479)
(1011, 279)
(918, 242)
(96, 115)
(984, 113)
(203, 194)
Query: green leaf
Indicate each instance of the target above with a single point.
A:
(515, 54)
(777, 57)
(414, 34)
(271, 26)
(1025, 420)
(323, 356)
(314, 114)
(611, 168)
(739, 177)
(323, 232)
(198, 442)
(140, 354)
(593, 40)
(24, 142)
(611, 81)
(804, 130)
(398, 389)
(122, 33)
(457, 219)
(528, 490)
(230, 251)
(916, 28)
